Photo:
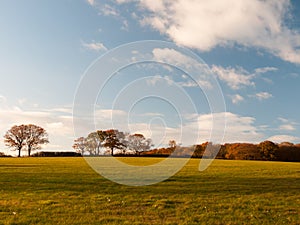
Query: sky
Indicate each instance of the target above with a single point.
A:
(226, 71)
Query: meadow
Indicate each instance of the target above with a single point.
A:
(68, 191)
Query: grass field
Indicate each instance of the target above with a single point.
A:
(68, 191)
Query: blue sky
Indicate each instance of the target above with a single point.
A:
(252, 48)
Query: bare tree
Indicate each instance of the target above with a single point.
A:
(30, 136)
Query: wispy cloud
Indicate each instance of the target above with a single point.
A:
(154, 80)
(238, 128)
(283, 138)
(287, 127)
(263, 95)
(108, 10)
(173, 57)
(286, 124)
(235, 78)
(201, 76)
(236, 98)
(265, 70)
(125, 25)
(95, 46)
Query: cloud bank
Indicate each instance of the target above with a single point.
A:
(204, 25)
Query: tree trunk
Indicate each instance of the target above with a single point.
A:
(112, 151)
(19, 154)
(29, 151)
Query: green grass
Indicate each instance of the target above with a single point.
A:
(68, 191)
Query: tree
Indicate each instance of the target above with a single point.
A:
(241, 151)
(138, 143)
(172, 144)
(114, 139)
(30, 136)
(95, 141)
(80, 145)
(198, 151)
(35, 137)
(268, 150)
(15, 138)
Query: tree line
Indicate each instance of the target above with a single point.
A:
(265, 150)
(112, 141)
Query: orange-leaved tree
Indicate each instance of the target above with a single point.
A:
(114, 139)
(30, 136)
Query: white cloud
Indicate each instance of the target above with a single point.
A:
(235, 78)
(173, 57)
(123, 1)
(91, 2)
(283, 138)
(238, 128)
(189, 83)
(238, 77)
(152, 114)
(95, 46)
(241, 129)
(206, 24)
(263, 95)
(166, 79)
(237, 98)
(187, 63)
(265, 70)
(125, 25)
(154, 80)
(287, 127)
(283, 120)
(108, 10)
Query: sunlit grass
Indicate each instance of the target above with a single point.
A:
(68, 191)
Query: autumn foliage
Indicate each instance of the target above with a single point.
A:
(29, 137)
(112, 140)
(266, 150)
